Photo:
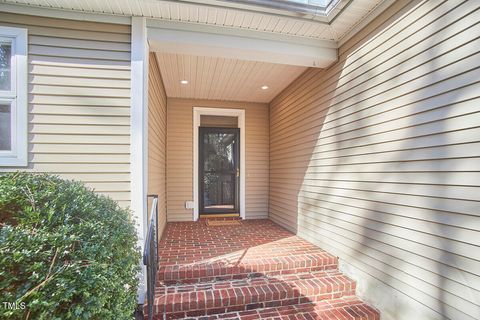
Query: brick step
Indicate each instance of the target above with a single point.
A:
(240, 295)
(229, 269)
(346, 308)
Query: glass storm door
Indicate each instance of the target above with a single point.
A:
(219, 170)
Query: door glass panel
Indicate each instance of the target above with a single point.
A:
(219, 171)
(5, 127)
(5, 66)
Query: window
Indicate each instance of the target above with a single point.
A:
(13, 96)
(312, 7)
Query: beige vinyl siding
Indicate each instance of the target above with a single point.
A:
(157, 140)
(79, 101)
(377, 159)
(180, 156)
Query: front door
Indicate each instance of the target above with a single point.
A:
(219, 170)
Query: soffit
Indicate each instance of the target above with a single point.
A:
(341, 18)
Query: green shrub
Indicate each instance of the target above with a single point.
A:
(65, 252)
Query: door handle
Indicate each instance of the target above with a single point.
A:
(238, 173)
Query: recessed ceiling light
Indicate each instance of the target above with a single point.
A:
(184, 81)
(264, 87)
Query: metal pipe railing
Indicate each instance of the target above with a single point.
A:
(150, 254)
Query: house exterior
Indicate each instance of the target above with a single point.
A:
(366, 141)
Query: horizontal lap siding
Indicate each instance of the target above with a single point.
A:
(180, 156)
(256, 158)
(377, 158)
(79, 101)
(157, 139)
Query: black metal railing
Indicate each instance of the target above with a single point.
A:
(150, 254)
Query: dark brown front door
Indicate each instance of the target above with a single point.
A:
(219, 170)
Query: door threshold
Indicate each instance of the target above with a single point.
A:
(219, 215)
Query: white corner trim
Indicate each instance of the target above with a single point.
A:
(64, 14)
(138, 133)
(240, 114)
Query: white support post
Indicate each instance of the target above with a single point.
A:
(138, 131)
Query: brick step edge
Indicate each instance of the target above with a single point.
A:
(345, 308)
(258, 293)
(232, 283)
(218, 271)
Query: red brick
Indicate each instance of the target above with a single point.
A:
(261, 245)
(260, 267)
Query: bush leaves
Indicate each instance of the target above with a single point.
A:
(65, 251)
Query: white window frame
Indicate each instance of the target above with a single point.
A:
(17, 98)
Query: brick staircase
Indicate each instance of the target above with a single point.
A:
(256, 270)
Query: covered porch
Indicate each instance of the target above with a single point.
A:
(367, 155)
(253, 269)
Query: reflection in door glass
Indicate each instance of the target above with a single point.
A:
(219, 170)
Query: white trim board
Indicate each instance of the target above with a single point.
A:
(139, 135)
(181, 38)
(240, 114)
(238, 32)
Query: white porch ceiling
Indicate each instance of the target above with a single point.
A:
(336, 24)
(224, 79)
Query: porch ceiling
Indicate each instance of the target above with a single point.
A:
(224, 79)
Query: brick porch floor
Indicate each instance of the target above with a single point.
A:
(255, 270)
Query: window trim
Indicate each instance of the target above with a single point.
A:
(17, 98)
